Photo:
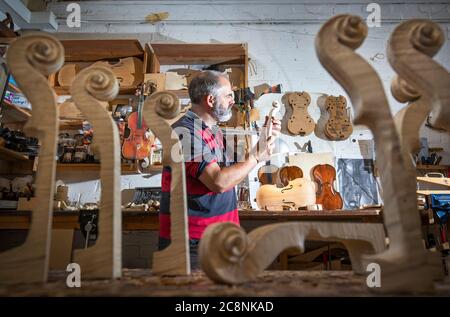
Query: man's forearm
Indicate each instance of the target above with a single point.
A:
(222, 179)
(234, 174)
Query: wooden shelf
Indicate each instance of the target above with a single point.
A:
(94, 50)
(65, 91)
(10, 155)
(199, 54)
(13, 114)
(126, 168)
(70, 124)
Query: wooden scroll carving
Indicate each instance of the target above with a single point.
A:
(411, 46)
(228, 255)
(30, 59)
(104, 259)
(300, 122)
(405, 265)
(159, 109)
(410, 118)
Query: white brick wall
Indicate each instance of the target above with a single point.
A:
(280, 37)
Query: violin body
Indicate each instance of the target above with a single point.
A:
(327, 196)
(300, 122)
(289, 173)
(137, 146)
(338, 126)
(298, 193)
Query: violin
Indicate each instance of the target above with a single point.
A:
(327, 196)
(137, 145)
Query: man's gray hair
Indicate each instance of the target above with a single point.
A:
(205, 83)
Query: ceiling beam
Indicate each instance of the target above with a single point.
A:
(26, 19)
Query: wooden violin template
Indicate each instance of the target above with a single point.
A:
(128, 71)
(300, 122)
(338, 126)
(327, 196)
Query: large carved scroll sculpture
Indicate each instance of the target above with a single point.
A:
(405, 266)
(228, 255)
(104, 259)
(30, 59)
(411, 47)
(159, 109)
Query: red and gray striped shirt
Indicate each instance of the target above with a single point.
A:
(201, 146)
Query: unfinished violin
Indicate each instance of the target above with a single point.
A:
(338, 126)
(327, 196)
(128, 71)
(289, 173)
(299, 193)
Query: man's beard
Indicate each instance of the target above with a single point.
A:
(221, 113)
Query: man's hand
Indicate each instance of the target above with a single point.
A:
(266, 144)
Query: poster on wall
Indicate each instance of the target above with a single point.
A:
(357, 182)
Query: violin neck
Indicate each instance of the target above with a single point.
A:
(141, 102)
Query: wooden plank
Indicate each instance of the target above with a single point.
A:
(94, 50)
(445, 181)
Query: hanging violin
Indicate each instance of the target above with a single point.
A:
(327, 196)
(137, 146)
